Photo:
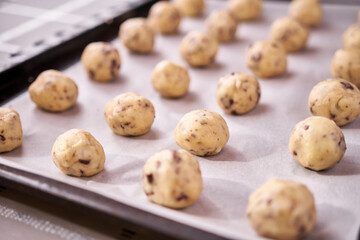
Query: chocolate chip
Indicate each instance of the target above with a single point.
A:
(234, 112)
(182, 196)
(84, 161)
(347, 85)
(256, 57)
(332, 116)
(295, 153)
(302, 229)
(306, 127)
(2, 138)
(91, 74)
(82, 172)
(347, 118)
(127, 123)
(176, 157)
(150, 178)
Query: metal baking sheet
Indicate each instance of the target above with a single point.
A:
(257, 149)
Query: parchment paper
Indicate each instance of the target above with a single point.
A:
(257, 149)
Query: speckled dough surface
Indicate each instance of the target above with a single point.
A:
(202, 132)
(351, 37)
(221, 25)
(53, 91)
(129, 114)
(281, 209)
(336, 99)
(77, 153)
(11, 135)
(308, 12)
(172, 178)
(245, 9)
(317, 143)
(191, 8)
(164, 17)
(346, 65)
(238, 93)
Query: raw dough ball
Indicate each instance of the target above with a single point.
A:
(137, 35)
(308, 12)
(191, 8)
(77, 153)
(266, 59)
(221, 25)
(164, 17)
(170, 79)
(282, 209)
(289, 32)
(11, 135)
(53, 91)
(172, 178)
(202, 132)
(101, 61)
(238, 93)
(245, 9)
(351, 37)
(129, 114)
(336, 99)
(198, 49)
(346, 65)
(317, 143)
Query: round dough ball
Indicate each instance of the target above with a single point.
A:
(172, 178)
(202, 132)
(221, 25)
(346, 65)
(137, 35)
(198, 49)
(351, 37)
(190, 8)
(308, 12)
(77, 153)
(53, 91)
(11, 135)
(238, 93)
(282, 209)
(266, 59)
(245, 9)
(289, 32)
(317, 143)
(170, 79)
(101, 61)
(164, 17)
(336, 99)
(129, 114)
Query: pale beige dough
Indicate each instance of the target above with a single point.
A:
(346, 65)
(101, 61)
(53, 91)
(351, 37)
(308, 12)
(244, 10)
(238, 93)
(137, 35)
(11, 135)
(336, 99)
(221, 25)
(164, 17)
(170, 79)
(190, 8)
(172, 178)
(198, 49)
(202, 132)
(77, 153)
(129, 114)
(317, 143)
(282, 209)
(290, 33)
(266, 59)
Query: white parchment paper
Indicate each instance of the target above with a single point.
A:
(257, 149)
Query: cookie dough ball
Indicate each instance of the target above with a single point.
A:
(172, 179)
(346, 65)
(317, 143)
(137, 35)
(53, 91)
(290, 33)
(238, 93)
(101, 61)
(129, 114)
(190, 8)
(282, 209)
(336, 99)
(198, 49)
(221, 25)
(266, 59)
(308, 12)
(202, 132)
(11, 135)
(77, 153)
(164, 17)
(351, 37)
(170, 79)
(243, 10)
